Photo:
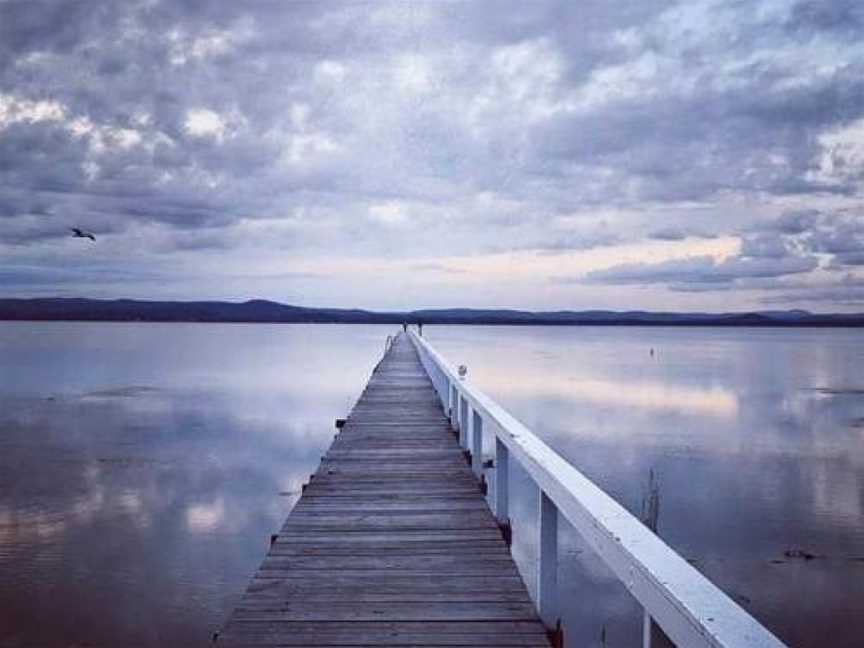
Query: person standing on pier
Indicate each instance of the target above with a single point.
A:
(420, 328)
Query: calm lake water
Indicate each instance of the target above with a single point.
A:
(143, 466)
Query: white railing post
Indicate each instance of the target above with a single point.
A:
(646, 629)
(453, 406)
(458, 410)
(502, 482)
(476, 442)
(547, 563)
(463, 421)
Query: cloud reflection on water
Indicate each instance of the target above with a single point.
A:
(712, 401)
(139, 484)
(158, 471)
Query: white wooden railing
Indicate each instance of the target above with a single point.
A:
(691, 610)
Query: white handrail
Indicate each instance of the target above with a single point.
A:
(690, 609)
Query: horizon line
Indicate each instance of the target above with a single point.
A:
(375, 311)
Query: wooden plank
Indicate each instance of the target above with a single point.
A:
(299, 610)
(465, 536)
(392, 542)
(340, 585)
(328, 505)
(484, 548)
(424, 563)
(292, 633)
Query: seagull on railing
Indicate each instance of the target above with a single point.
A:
(463, 371)
(79, 233)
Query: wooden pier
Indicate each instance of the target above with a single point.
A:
(392, 542)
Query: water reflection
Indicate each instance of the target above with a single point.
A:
(143, 467)
(754, 436)
(711, 402)
(551, 379)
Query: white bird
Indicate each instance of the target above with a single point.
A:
(79, 233)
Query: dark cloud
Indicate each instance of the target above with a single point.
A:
(702, 270)
(674, 233)
(569, 241)
(848, 290)
(669, 234)
(837, 235)
(846, 259)
(765, 246)
(34, 275)
(842, 16)
(770, 252)
(795, 222)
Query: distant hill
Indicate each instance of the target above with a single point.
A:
(259, 310)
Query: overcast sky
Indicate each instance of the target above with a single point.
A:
(701, 155)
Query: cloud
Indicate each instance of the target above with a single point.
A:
(184, 129)
(677, 233)
(201, 122)
(765, 246)
(795, 222)
(837, 235)
(702, 270)
(791, 244)
(669, 234)
(846, 291)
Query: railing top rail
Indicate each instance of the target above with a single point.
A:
(690, 608)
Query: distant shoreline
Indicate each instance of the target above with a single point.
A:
(267, 312)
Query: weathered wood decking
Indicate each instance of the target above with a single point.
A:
(392, 542)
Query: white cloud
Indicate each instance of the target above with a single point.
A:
(330, 71)
(202, 122)
(413, 73)
(390, 213)
(102, 138)
(186, 48)
(15, 110)
(842, 155)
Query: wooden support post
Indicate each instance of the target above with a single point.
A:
(477, 443)
(547, 567)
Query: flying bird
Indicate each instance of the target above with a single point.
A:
(79, 233)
